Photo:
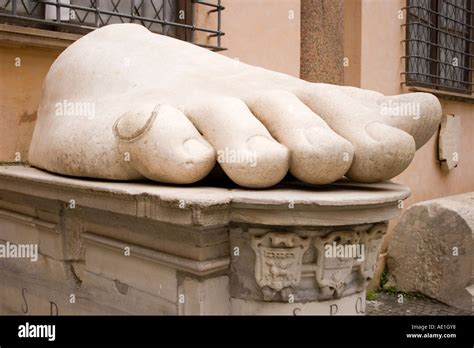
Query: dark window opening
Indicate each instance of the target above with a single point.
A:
(440, 44)
(169, 17)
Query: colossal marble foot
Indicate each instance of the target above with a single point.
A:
(123, 103)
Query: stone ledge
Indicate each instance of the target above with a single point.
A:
(200, 268)
(342, 203)
(467, 98)
(28, 220)
(25, 36)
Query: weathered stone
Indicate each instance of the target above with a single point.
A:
(350, 305)
(295, 265)
(342, 203)
(167, 251)
(204, 297)
(431, 250)
(44, 267)
(160, 119)
(449, 141)
(132, 270)
(115, 296)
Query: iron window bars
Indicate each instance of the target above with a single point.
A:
(439, 44)
(168, 17)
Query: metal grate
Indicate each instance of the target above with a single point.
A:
(169, 17)
(439, 44)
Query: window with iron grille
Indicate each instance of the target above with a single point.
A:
(440, 45)
(169, 17)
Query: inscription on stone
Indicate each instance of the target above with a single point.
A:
(53, 307)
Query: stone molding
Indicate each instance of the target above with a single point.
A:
(25, 219)
(24, 36)
(342, 203)
(200, 268)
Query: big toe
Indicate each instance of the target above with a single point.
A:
(164, 145)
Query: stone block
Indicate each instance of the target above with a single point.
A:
(44, 267)
(350, 305)
(120, 297)
(431, 250)
(207, 297)
(19, 228)
(449, 141)
(132, 270)
(35, 295)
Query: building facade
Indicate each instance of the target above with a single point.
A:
(390, 46)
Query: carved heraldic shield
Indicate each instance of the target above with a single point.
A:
(278, 259)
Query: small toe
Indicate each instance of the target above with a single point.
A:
(418, 114)
(245, 149)
(381, 152)
(318, 154)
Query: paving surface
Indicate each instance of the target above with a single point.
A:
(387, 304)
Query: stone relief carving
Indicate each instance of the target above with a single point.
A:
(332, 271)
(336, 261)
(278, 261)
(372, 241)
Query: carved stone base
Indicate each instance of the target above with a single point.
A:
(349, 305)
(303, 264)
(134, 248)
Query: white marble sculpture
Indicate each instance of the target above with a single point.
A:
(123, 103)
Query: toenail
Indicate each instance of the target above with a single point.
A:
(195, 147)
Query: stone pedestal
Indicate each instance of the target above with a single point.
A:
(431, 250)
(143, 248)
